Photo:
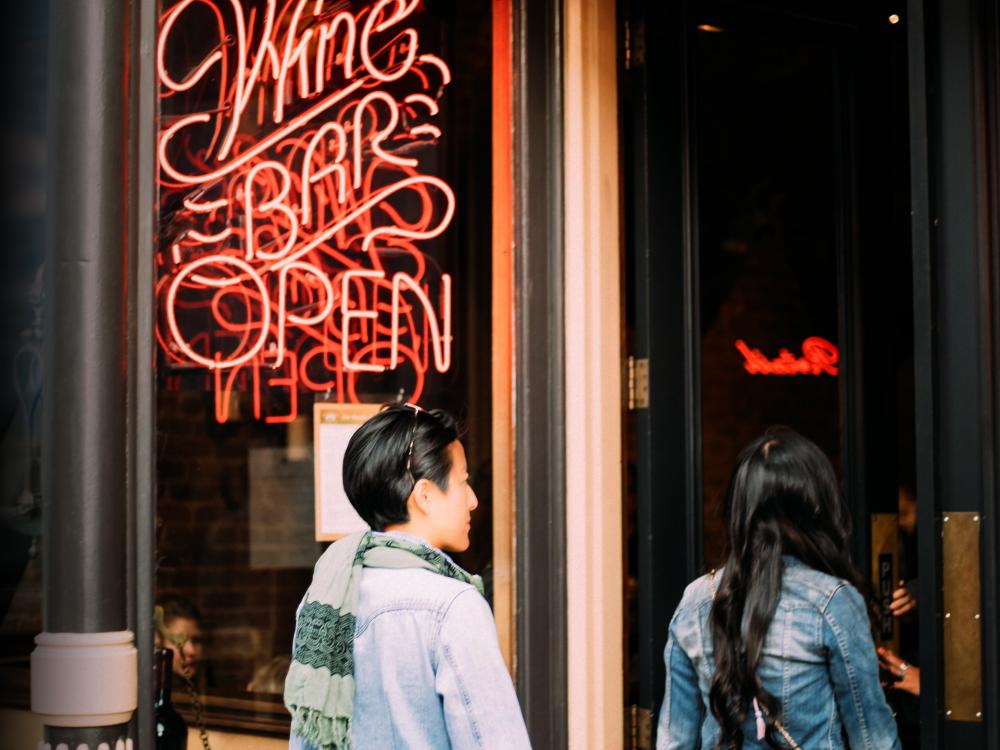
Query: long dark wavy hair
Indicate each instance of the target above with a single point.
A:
(783, 499)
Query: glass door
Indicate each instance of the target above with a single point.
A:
(770, 283)
(804, 295)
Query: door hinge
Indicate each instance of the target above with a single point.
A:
(638, 383)
(640, 728)
(628, 46)
(635, 45)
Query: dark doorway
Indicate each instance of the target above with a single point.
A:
(769, 282)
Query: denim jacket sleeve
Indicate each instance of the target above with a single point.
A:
(854, 671)
(480, 706)
(682, 712)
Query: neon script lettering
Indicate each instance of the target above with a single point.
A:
(289, 144)
(819, 357)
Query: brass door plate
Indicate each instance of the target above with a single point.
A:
(961, 632)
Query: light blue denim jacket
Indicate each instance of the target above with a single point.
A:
(819, 661)
(427, 667)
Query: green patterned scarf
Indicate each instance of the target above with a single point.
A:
(319, 689)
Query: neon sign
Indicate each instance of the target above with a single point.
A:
(819, 357)
(288, 156)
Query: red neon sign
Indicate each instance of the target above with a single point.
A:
(292, 147)
(819, 357)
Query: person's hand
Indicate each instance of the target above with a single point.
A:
(909, 675)
(903, 601)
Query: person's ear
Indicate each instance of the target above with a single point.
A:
(420, 496)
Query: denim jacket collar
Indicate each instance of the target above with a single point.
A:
(791, 561)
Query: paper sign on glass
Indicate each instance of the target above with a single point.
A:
(333, 425)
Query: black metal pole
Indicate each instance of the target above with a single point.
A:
(84, 448)
(84, 438)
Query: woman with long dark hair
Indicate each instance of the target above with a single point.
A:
(775, 649)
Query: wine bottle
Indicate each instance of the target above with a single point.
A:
(171, 731)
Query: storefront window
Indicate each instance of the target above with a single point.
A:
(324, 241)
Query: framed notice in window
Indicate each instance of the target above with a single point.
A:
(333, 425)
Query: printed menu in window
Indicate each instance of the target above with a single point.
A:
(333, 425)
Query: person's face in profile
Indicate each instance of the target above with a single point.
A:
(186, 631)
(450, 512)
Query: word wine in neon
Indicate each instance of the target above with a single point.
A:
(293, 252)
(819, 357)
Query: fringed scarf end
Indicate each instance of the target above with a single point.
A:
(325, 732)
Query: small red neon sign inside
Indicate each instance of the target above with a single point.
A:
(819, 357)
(297, 249)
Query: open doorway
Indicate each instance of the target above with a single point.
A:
(768, 176)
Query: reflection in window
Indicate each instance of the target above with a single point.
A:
(24, 39)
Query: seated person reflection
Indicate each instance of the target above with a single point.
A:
(270, 677)
(394, 644)
(182, 635)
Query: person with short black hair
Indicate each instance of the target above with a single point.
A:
(394, 644)
(389, 453)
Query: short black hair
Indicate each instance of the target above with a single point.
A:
(376, 479)
(177, 607)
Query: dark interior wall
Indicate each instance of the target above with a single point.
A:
(766, 137)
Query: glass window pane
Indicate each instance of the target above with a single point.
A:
(325, 237)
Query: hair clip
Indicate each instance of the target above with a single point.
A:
(413, 435)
